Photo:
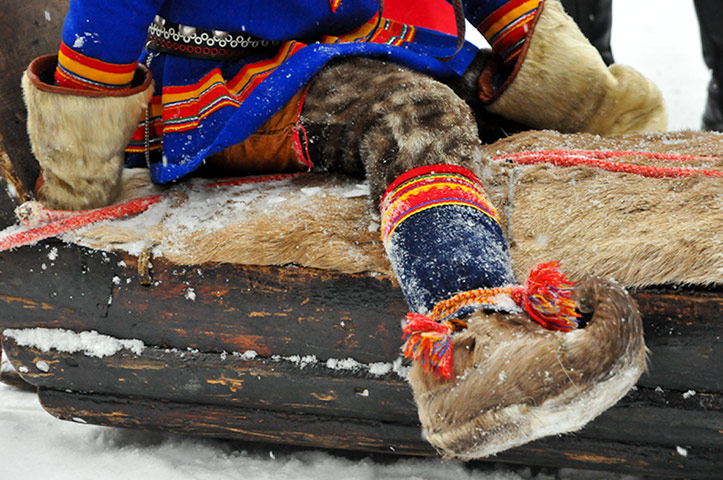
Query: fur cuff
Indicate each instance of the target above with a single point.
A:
(78, 137)
(562, 83)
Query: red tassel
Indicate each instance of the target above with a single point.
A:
(429, 342)
(547, 297)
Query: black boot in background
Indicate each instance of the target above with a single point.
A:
(710, 19)
(595, 19)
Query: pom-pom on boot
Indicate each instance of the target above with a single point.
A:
(78, 136)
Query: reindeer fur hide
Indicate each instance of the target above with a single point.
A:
(638, 230)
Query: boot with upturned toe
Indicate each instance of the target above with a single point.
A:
(515, 381)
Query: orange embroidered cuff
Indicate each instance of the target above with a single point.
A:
(76, 70)
(429, 187)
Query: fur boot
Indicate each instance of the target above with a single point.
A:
(78, 136)
(515, 381)
(560, 82)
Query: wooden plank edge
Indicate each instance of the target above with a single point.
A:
(351, 434)
(299, 384)
(645, 415)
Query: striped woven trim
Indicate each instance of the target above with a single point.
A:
(76, 70)
(387, 31)
(506, 28)
(473, 298)
(185, 107)
(424, 188)
(251, 75)
(183, 110)
(155, 122)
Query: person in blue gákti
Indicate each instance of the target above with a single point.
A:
(251, 86)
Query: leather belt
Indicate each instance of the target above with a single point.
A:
(176, 39)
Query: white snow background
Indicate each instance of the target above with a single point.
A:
(658, 37)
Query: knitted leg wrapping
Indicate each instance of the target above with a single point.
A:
(443, 236)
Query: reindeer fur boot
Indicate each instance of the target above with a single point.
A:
(514, 381)
(78, 136)
(560, 82)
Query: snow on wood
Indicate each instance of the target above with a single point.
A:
(89, 343)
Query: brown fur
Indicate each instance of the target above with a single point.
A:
(640, 231)
(516, 382)
(386, 121)
(549, 218)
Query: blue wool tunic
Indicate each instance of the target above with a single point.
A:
(201, 107)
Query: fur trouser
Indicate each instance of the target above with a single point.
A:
(369, 118)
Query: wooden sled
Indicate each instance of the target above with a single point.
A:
(304, 355)
(309, 356)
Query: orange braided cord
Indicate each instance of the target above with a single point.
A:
(478, 297)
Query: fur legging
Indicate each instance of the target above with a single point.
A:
(369, 118)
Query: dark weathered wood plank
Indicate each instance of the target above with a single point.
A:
(196, 377)
(684, 332)
(643, 416)
(293, 310)
(272, 310)
(349, 433)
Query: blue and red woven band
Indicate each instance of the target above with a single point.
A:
(506, 25)
(442, 235)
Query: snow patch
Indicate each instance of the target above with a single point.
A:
(42, 366)
(359, 190)
(376, 369)
(343, 364)
(247, 355)
(90, 343)
(190, 294)
(79, 41)
(11, 190)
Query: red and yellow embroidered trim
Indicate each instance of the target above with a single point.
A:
(76, 70)
(155, 122)
(387, 31)
(506, 29)
(334, 4)
(185, 107)
(429, 187)
(251, 75)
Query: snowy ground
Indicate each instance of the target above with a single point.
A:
(659, 37)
